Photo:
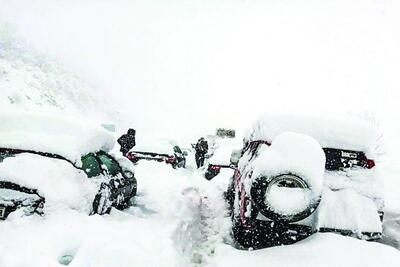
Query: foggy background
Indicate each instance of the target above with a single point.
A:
(185, 67)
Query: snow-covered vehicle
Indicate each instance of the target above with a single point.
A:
(219, 155)
(300, 175)
(50, 163)
(159, 150)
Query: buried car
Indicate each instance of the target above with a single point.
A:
(160, 151)
(222, 155)
(300, 175)
(50, 163)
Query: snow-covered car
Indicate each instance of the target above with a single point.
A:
(299, 175)
(220, 154)
(51, 163)
(159, 150)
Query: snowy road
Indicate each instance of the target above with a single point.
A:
(179, 219)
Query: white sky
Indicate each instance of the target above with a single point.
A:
(194, 65)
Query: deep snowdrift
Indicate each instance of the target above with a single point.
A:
(178, 220)
(61, 184)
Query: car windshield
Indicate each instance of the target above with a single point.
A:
(91, 166)
(109, 163)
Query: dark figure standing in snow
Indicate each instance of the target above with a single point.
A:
(201, 151)
(127, 141)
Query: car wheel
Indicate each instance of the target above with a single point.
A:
(102, 202)
(284, 198)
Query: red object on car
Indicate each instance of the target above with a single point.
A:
(170, 160)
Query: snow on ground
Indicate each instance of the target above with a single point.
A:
(318, 250)
(178, 219)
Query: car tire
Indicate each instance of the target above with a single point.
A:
(102, 202)
(258, 191)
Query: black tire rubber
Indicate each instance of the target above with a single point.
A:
(101, 199)
(230, 194)
(264, 234)
(257, 193)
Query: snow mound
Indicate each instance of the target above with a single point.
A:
(330, 131)
(66, 137)
(318, 250)
(349, 210)
(31, 81)
(222, 150)
(60, 183)
(291, 153)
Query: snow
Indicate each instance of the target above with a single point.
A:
(288, 201)
(351, 200)
(222, 149)
(61, 184)
(181, 68)
(346, 209)
(156, 144)
(33, 82)
(318, 250)
(286, 155)
(178, 219)
(67, 137)
(333, 131)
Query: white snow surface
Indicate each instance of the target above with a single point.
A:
(61, 184)
(333, 131)
(67, 137)
(328, 250)
(288, 201)
(287, 154)
(222, 149)
(351, 199)
(154, 144)
(178, 220)
(33, 82)
(346, 209)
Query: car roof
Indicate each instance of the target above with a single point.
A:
(67, 137)
(331, 131)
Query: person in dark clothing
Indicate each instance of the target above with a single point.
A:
(127, 141)
(201, 151)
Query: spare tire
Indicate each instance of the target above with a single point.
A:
(284, 198)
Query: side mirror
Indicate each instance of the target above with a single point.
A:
(235, 156)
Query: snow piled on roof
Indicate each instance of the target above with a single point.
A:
(333, 131)
(60, 183)
(66, 137)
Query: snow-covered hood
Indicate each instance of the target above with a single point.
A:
(334, 132)
(57, 135)
(58, 181)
